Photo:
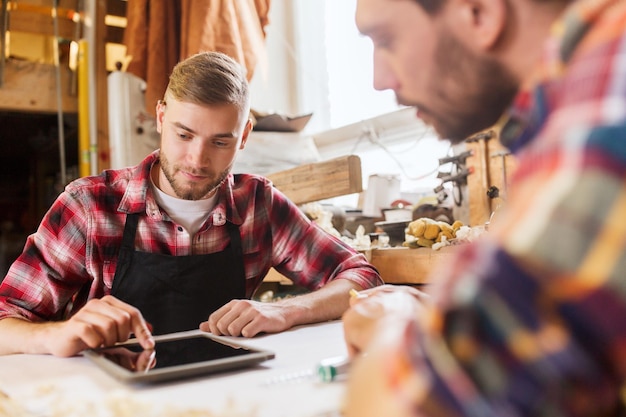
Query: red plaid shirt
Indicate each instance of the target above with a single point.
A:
(531, 321)
(73, 255)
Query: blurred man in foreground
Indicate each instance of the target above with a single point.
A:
(529, 321)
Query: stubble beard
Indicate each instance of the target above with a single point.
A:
(192, 191)
(484, 90)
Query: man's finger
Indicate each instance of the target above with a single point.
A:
(137, 323)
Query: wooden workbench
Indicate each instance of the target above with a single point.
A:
(397, 265)
(402, 265)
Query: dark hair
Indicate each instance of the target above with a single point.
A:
(211, 78)
(431, 6)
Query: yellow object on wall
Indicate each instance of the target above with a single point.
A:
(83, 109)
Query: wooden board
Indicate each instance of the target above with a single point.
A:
(38, 19)
(320, 180)
(408, 266)
(397, 265)
(31, 87)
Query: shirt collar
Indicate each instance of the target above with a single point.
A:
(139, 196)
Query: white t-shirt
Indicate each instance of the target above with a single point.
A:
(191, 214)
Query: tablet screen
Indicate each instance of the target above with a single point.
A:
(175, 352)
(175, 356)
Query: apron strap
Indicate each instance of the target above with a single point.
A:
(236, 247)
(130, 229)
(127, 248)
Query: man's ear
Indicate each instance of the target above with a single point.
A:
(246, 132)
(480, 22)
(160, 111)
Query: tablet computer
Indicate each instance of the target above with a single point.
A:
(175, 356)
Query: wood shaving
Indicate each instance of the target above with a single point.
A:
(10, 408)
(116, 404)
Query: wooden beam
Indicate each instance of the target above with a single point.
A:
(38, 20)
(31, 87)
(320, 180)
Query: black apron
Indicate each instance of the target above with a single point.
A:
(176, 293)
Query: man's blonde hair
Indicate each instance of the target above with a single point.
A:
(209, 78)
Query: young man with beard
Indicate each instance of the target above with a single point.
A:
(528, 321)
(176, 242)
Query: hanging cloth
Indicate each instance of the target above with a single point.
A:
(152, 40)
(159, 34)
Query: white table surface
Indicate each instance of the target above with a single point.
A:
(43, 385)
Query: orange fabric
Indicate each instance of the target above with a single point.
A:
(161, 33)
(235, 28)
(151, 38)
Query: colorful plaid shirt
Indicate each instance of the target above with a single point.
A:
(73, 255)
(531, 321)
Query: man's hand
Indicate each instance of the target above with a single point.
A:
(379, 307)
(381, 382)
(101, 322)
(247, 318)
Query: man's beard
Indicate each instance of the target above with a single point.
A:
(192, 192)
(483, 87)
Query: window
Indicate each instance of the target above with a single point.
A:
(330, 64)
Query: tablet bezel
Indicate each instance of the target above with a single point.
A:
(255, 357)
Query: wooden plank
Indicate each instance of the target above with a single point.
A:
(397, 265)
(31, 87)
(25, 20)
(320, 180)
(402, 265)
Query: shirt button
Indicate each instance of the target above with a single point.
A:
(180, 229)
